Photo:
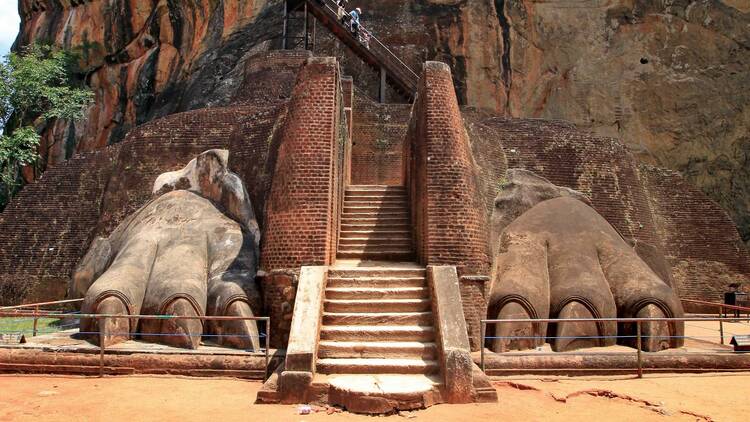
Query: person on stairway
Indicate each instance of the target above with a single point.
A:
(340, 11)
(355, 15)
(364, 37)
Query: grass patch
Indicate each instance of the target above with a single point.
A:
(20, 325)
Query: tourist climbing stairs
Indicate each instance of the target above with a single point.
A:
(399, 75)
(375, 224)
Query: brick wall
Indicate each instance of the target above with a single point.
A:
(47, 228)
(701, 241)
(449, 222)
(269, 76)
(300, 212)
(599, 167)
(379, 132)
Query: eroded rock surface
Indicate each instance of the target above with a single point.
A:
(666, 78)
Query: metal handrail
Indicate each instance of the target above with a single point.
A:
(36, 315)
(40, 304)
(637, 321)
(331, 6)
(718, 305)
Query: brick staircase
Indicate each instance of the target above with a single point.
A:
(375, 224)
(377, 320)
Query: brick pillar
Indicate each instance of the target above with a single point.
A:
(450, 223)
(300, 224)
(347, 89)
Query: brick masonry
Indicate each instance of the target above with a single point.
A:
(701, 242)
(300, 214)
(288, 141)
(447, 210)
(378, 135)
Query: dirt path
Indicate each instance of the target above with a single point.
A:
(718, 397)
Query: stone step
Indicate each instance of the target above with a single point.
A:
(372, 245)
(379, 305)
(377, 349)
(381, 281)
(375, 206)
(375, 188)
(376, 223)
(375, 240)
(378, 226)
(382, 202)
(377, 366)
(387, 272)
(377, 293)
(377, 333)
(361, 215)
(374, 233)
(378, 318)
(377, 249)
(391, 255)
(375, 195)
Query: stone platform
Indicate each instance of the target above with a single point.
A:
(702, 352)
(65, 352)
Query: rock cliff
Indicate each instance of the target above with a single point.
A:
(667, 78)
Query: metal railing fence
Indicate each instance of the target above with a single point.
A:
(404, 71)
(638, 336)
(17, 312)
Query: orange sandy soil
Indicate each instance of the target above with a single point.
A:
(717, 397)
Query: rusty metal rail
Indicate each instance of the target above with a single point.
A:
(41, 314)
(375, 53)
(722, 311)
(637, 321)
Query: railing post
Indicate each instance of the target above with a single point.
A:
(101, 350)
(721, 323)
(483, 327)
(638, 347)
(36, 321)
(268, 342)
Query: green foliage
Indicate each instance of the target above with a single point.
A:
(35, 86)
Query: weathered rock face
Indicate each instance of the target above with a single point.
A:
(145, 59)
(668, 79)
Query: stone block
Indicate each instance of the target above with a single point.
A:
(453, 340)
(308, 307)
(293, 386)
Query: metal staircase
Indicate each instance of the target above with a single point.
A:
(393, 71)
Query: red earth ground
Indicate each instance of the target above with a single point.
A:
(714, 397)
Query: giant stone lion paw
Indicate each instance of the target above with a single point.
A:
(556, 257)
(190, 251)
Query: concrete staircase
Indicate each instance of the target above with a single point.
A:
(377, 320)
(375, 224)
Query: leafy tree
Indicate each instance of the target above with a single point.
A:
(35, 86)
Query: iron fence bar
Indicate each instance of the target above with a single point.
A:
(100, 316)
(686, 319)
(101, 354)
(30, 305)
(268, 343)
(638, 349)
(718, 305)
(36, 321)
(373, 37)
(483, 328)
(721, 324)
